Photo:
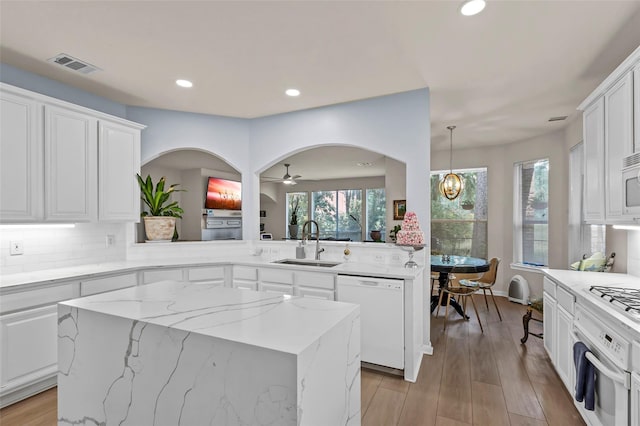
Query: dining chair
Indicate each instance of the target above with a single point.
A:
(454, 289)
(485, 282)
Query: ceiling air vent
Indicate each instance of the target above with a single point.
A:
(559, 118)
(74, 64)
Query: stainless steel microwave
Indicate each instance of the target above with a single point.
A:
(631, 188)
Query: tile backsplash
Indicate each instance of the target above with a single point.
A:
(633, 253)
(46, 248)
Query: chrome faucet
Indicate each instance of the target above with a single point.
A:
(305, 236)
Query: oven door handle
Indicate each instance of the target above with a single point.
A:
(623, 378)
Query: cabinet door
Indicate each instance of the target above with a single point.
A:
(635, 399)
(549, 325)
(636, 108)
(70, 152)
(20, 159)
(564, 347)
(593, 133)
(618, 142)
(118, 163)
(29, 345)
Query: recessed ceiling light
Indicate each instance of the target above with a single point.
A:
(184, 83)
(364, 164)
(472, 7)
(559, 118)
(292, 92)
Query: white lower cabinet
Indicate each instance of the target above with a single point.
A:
(315, 293)
(635, 399)
(549, 324)
(29, 351)
(100, 285)
(206, 275)
(277, 288)
(244, 278)
(161, 274)
(564, 347)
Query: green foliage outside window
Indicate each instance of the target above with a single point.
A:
(459, 227)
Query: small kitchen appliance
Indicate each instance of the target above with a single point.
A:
(519, 290)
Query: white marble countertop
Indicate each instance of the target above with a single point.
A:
(50, 276)
(579, 282)
(282, 323)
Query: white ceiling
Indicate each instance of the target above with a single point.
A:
(498, 76)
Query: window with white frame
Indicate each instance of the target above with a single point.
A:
(376, 212)
(338, 213)
(584, 239)
(459, 227)
(531, 213)
(297, 202)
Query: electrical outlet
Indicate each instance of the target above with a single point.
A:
(110, 240)
(16, 248)
(379, 258)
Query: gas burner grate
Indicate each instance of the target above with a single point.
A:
(624, 299)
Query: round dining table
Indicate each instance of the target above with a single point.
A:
(463, 264)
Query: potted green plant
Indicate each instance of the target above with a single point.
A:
(160, 219)
(293, 220)
(394, 232)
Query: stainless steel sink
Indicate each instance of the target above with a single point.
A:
(303, 262)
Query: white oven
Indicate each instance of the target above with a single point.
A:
(611, 357)
(631, 188)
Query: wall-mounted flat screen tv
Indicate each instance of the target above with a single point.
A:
(223, 194)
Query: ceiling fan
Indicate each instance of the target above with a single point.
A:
(287, 179)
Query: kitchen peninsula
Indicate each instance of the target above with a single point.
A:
(176, 353)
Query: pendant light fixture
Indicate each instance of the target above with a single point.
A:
(451, 184)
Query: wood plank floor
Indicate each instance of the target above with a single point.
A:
(472, 379)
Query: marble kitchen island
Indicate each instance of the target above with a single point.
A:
(175, 353)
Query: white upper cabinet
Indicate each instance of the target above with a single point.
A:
(61, 162)
(70, 152)
(593, 133)
(611, 131)
(618, 141)
(20, 159)
(636, 110)
(119, 161)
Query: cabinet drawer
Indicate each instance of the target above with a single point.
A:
(212, 273)
(245, 273)
(276, 276)
(315, 293)
(38, 297)
(161, 275)
(101, 285)
(245, 285)
(315, 279)
(565, 299)
(549, 287)
(276, 288)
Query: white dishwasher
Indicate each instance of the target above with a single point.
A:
(381, 303)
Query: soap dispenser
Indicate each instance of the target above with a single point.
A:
(300, 254)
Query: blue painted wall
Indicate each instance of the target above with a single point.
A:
(55, 89)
